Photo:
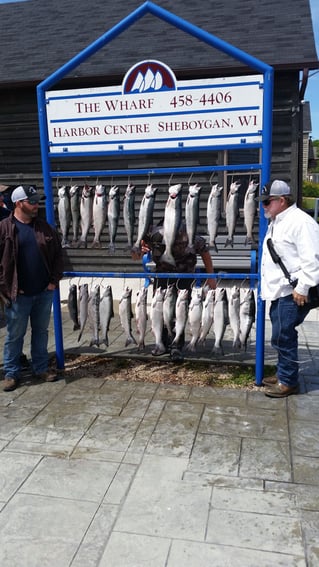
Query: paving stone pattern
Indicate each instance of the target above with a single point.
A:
(102, 473)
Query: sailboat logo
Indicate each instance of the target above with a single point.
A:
(149, 76)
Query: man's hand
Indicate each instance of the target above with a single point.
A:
(299, 299)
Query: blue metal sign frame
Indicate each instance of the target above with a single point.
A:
(265, 146)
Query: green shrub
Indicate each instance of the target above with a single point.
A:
(310, 189)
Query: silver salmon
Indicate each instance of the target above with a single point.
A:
(141, 317)
(172, 221)
(181, 313)
(99, 214)
(250, 207)
(213, 214)
(129, 213)
(195, 311)
(232, 212)
(247, 316)
(75, 212)
(234, 316)
(126, 315)
(192, 215)
(106, 314)
(157, 321)
(207, 315)
(220, 318)
(113, 214)
(64, 213)
(145, 216)
(73, 306)
(83, 307)
(169, 304)
(94, 315)
(86, 213)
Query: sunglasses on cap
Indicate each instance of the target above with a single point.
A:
(267, 202)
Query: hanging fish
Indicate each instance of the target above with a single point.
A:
(75, 212)
(221, 319)
(213, 214)
(207, 315)
(247, 316)
(232, 212)
(172, 222)
(195, 317)
(99, 214)
(86, 213)
(157, 321)
(141, 317)
(106, 314)
(126, 315)
(169, 304)
(83, 307)
(113, 214)
(94, 315)
(192, 215)
(250, 207)
(129, 213)
(181, 312)
(145, 217)
(64, 212)
(73, 306)
(234, 316)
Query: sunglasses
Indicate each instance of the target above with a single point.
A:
(267, 202)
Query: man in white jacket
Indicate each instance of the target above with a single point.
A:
(295, 238)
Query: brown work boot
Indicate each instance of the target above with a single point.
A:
(46, 376)
(281, 390)
(270, 380)
(9, 384)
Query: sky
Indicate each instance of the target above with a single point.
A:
(312, 90)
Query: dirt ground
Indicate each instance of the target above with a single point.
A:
(185, 373)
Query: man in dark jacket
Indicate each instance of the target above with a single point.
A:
(31, 267)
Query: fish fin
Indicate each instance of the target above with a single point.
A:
(229, 242)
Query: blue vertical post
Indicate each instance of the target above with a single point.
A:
(265, 176)
(49, 206)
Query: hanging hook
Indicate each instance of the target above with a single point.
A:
(211, 178)
(170, 179)
(189, 181)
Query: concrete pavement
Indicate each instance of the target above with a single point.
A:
(103, 473)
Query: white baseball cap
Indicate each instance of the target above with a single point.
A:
(23, 193)
(278, 188)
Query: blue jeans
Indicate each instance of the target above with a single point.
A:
(38, 309)
(285, 316)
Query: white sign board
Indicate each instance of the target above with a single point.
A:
(151, 110)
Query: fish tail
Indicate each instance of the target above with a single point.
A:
(168, 259)
(190, 249)
(229, 242)
(76, 327)
(130, 340)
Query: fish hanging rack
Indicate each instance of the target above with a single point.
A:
(149, 8)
